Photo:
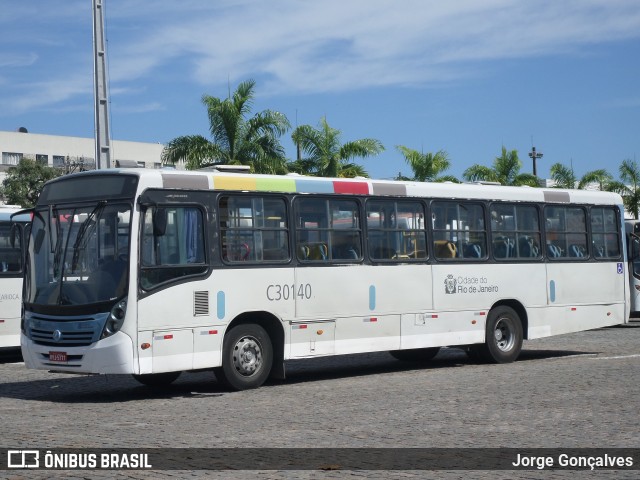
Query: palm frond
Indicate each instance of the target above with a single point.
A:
(477, 173)
(194, 150)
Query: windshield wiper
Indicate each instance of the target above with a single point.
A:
(85, 231)
(56, 248)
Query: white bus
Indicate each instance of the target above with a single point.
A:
(153, 272)
(11, 271)
(632, 230)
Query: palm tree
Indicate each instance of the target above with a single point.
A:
(564, 177)
(629, 187)
(237, 139)
(326, 156)
(427, 166)
(506, 171)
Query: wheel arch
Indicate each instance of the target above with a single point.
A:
(275, 330)
(519, 308)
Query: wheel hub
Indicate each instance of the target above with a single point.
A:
(247, 356)
(504, 336)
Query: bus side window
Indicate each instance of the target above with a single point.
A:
(173, 249)
(396, 230)
(604, 233)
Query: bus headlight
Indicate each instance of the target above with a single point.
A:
(116, 318)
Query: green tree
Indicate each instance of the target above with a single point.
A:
(629, 187)
(564, 177)
(24, 182)
(427, 167)
(506, 171)
(237, 138)
(326, 156)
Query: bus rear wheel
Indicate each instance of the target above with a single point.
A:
(503, 342)
(415, 354)
(157, 379)
(247, 357)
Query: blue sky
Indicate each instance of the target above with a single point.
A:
(463, 76)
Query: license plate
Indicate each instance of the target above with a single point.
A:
(58, 357)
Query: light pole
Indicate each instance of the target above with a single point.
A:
(101, 89)
(534, 155)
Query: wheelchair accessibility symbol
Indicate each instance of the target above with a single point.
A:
(620, 269)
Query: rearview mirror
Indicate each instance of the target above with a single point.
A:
(159, 221)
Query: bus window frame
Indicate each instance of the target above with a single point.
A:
(434, 242)
(329, 231)
(491, 230)
(397, 258)
(619, 232)
(288, 202)
(166, 198)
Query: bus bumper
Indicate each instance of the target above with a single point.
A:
(112, 355)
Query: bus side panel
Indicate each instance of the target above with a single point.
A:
(468, 286)
(187, 322)
(429, 329)
(10, 302)
(362, 290)
(587, 295)
(365, 301)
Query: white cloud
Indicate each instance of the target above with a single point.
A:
(17, 59)
(337, 45)
(140, 108)
(293, 46)
(45, 93)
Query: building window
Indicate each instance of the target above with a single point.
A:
(42, 159)
(157, 165)
(58, 160)
(142, 165)
(9, 158)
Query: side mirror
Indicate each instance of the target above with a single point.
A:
(37, 244)
(635, 247)
(159, 221)
(14, 236)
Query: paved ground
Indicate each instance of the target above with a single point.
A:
(579, 390)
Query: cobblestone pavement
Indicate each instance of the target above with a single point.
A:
(577, 390)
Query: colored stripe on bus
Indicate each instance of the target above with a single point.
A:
(290, 185)
(360, 188)
(276, 184)
(234, 183)
(305, 185)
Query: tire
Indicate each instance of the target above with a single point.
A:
(157, 379)
(503, 342)
(415, 354)
(247, 357)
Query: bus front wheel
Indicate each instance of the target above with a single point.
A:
(503, 337)
(247, 357)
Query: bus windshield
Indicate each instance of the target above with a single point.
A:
(78, 254)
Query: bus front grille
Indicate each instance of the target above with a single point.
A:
(73, 332)
(64, 337)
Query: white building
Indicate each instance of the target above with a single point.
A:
(72, 153)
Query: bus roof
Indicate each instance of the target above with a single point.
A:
(294, 183)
